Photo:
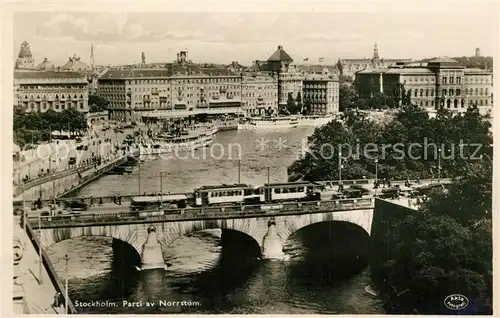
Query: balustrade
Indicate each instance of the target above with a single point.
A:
(200, 213)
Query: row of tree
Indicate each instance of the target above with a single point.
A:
(406, 147)
(33, 127)
(445, 248)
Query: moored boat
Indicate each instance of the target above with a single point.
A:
(186, 141)
(283, 122)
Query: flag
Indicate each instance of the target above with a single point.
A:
(321, 59)
(306, 59)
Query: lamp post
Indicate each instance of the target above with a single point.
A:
(340, 169)
(66, 298)
(268, 182)
(376, 176)
(161, 187)
(239, 171)
(439, 165)
(139, 181)
(40, 258)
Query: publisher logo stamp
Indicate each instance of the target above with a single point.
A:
(456, 302)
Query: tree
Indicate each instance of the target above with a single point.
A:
(443, 249)
(298, 101)
(347, 97)
(97, 103)
(407, 147)
(291, 104)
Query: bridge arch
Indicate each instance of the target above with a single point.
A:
(287, 225)
(126, 233)
(171, 231)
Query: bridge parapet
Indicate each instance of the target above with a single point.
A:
(210, 213)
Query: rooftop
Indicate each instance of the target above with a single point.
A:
(28, 74)
(25, 51)
(280, 56)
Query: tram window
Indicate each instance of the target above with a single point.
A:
(278, 191)
(301, 189)
(211, 194)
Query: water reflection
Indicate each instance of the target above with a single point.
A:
(326, 273)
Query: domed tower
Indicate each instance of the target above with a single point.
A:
(24, 58)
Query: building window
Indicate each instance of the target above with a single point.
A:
(459, 80)
(451, 80)
(444, 80)
(421, 92)
(477, 91)
(416, 92)
(451, 91)
(444, 92)
(458, 92)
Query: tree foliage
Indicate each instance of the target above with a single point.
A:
(33, 127)
(97, 103)
(407, 147)
(443, 249)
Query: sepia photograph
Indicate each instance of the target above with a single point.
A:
(307, 162)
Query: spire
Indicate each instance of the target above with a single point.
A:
(92, 56)
(375, 52)
(143, 58)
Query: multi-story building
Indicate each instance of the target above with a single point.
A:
(43, 90)
(440, 83)
(259, 93)
(180, 86)
(44, 87)
(349, 67)
(321, 94)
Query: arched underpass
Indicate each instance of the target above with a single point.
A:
(327, 252)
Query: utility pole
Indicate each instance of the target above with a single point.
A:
(439, 165)
(40, 258)
(139, 177)
(239, 171)
(66, 298)
(340, 168)
(161, 187)
(268, 183)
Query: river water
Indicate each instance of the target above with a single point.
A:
(325, 272)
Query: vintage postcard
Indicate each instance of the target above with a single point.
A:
(224, 160)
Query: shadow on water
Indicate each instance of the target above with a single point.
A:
(334, 252)
(217, 287)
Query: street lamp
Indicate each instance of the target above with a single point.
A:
(40, 258)
(376, 176)
(439, 164)
(340, 169)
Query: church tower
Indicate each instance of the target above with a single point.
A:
(143, 59)
(92, 56)
(24, 58)
(375, 52)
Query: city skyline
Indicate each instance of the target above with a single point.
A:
(119, 38)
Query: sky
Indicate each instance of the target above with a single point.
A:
(119, 38)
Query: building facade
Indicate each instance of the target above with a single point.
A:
(259, 94)
(440, 83)
(44, 90)
(349, 67)
(321, 94)
(180, 86)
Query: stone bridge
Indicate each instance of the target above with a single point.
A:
(269, 228)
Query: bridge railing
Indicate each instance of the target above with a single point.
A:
(60, 174)
(204, 213)
(49, 267)
(126, 197)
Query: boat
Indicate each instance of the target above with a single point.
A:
(255, 123)
(269, 122)
(188, 140)
(314, 120)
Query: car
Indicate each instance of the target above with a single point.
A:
(78, 206)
